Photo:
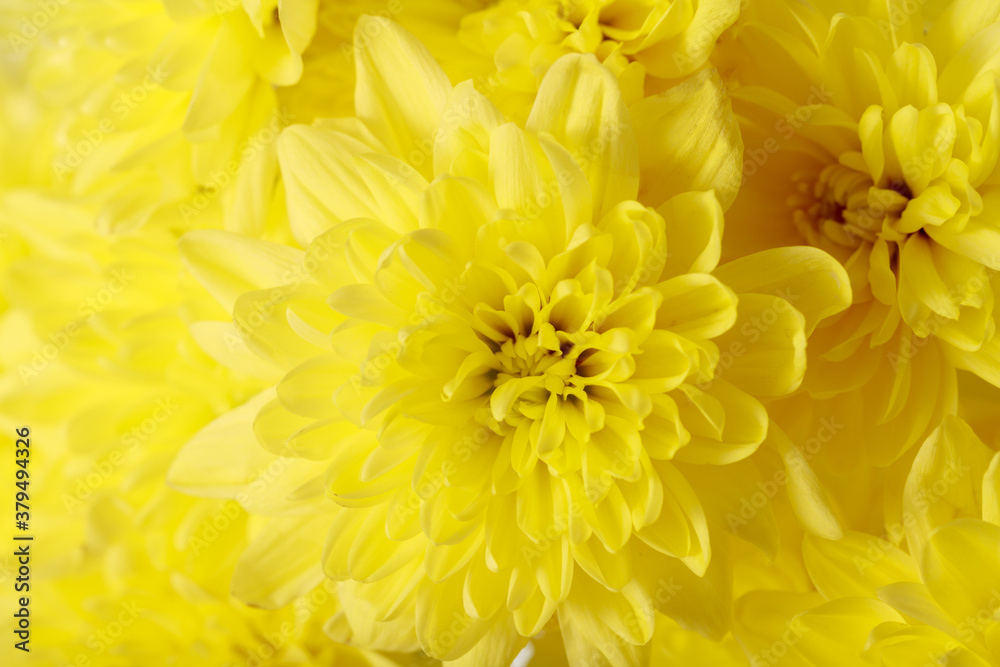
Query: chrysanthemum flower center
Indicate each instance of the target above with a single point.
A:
(899, 212)
(548, 352)
(844, 206)
(585, 27)
(910, 175)
(644, 42)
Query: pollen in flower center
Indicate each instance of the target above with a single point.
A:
(843, 206)
(545, 353)
(525, 358)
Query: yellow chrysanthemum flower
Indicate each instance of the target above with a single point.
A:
(649, 44)
(176, 105)
(157, 105)
(937, 602)
(326, 89)
(873, 132)
(102, 367)
(519, 387)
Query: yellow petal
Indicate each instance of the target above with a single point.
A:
(223, 456)
(225, 78)
(466, 124)
(702, 604)
(322, 182)
(229, 264)
(681, 529)
(592, 621)
(523, 180)
(679, 55)
(809, 279)
(737, 496)
(275, 570)
(611, 569)
(856, 565)
(898, 644)
(961, 567)
(764, 353)
(298, 22)
(400, 90)
(497, 647)
(694, 226)
(696, 305)
(434, 621)
(914, 72)
(810, 500)
(957, 24)
(726, 424)
(979, 239)
(689, 140)
(828, 635)
(944, 481)
(991, 492)
(579, 103)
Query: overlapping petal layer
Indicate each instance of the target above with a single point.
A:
(489, 342)
(878, 144)
(504, 371)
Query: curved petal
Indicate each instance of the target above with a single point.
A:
(400, 91)
(808, 278)
(579, 103)
(689, 140)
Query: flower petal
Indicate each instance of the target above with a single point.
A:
(579, 103)
(400, 91)
(689, 140)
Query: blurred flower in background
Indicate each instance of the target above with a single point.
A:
(514, 332)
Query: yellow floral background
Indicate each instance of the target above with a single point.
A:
(499, 332)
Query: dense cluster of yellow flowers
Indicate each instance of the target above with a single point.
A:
(500, 332)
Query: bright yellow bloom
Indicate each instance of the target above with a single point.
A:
(156, 103)
(326, 89)
(937, 602)
(505, 394)
(158, 107)
(97, 359)
(874, 134)
(176, 106)
(648, 44)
